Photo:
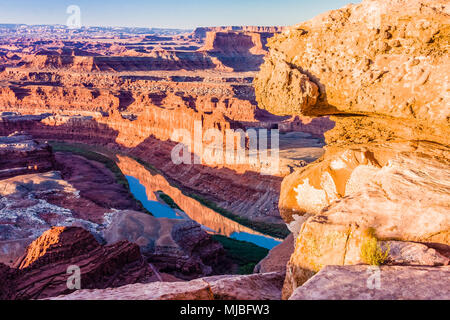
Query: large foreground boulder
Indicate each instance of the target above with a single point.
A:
(265, 286)
(372, 283)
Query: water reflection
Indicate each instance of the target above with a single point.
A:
(145, 185)
(262, 241)
(158, 209)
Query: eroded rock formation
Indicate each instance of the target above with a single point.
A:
(380, 68)
(43, 270)
(86, 194)
(174, 246)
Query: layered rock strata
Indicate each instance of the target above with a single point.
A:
(43, 270)
(20, 154)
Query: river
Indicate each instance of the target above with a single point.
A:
(146, 185)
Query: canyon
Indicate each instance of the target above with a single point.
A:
(359, 95)
(80, 119)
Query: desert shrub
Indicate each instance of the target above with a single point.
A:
(371, 251)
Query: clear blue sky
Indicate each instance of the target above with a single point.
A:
(167, 13)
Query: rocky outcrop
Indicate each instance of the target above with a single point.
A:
(348, 57)
(133, 94)
(371, 283)
(265, 286)
(155, 61)
(239, 51)
(175, 246)
(20, 154)
(43, 270)
(379, 68)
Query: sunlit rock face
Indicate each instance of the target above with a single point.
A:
(381, 70)
(42, 271)
(241, 191)
(382, 57)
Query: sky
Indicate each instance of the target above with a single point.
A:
(183, 14)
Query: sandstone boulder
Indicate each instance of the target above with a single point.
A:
(250, 287)
(381, 72)
(371, 283)
(376, 57)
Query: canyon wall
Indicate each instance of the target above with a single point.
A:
(380, 70)
(20, 154)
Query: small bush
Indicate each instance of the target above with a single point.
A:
(371, 252)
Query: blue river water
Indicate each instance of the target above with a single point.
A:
(160, 210)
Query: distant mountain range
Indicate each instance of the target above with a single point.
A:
(24, 28)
